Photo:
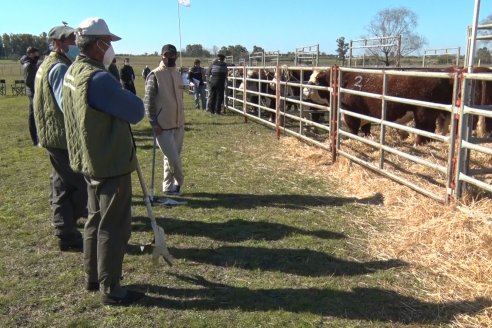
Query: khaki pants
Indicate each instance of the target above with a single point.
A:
(171, 142)
(107, 231)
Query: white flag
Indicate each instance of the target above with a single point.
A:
(185, 3)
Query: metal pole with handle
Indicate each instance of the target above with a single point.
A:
(160, 247)
(151, 196)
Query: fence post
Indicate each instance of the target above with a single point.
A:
(277, 101)
(334, 112)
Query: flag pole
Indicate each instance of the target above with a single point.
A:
(179, 29)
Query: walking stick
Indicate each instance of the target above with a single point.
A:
(151, 196)
(160, 247)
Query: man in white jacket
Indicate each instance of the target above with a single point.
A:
(164, 107)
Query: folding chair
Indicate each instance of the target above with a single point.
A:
(19, 88)
(3, 88)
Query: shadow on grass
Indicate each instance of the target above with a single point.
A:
(235, 230)
(301, 262)
(192, 126)
(369, 304)
(247, 201)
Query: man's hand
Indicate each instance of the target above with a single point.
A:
(157, 129)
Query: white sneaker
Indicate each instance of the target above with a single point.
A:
(174, 192)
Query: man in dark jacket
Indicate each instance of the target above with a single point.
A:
(29, 64)
(113, 69)
(127, 76)
(196, 76)
(217, 75)
(145, 72)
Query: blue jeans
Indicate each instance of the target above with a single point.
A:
(199, 93)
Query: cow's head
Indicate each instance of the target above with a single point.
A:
(284, 76)
(318, 78)
(251, 73)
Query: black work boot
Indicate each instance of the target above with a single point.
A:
(71, 242)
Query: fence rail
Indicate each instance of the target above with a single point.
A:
(441, 176)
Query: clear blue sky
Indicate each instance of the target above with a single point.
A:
(145, 25)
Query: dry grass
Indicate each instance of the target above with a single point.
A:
(449, 248)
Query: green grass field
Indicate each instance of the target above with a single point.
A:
(258, 245)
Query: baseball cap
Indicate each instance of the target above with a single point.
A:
(30, 50)
(168, 48)
(95, 26)
(60, 32)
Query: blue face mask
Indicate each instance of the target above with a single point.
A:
(73, 52)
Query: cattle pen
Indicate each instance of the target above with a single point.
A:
(449, 167)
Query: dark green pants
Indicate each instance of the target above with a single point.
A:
(107, 230)
(68, 195)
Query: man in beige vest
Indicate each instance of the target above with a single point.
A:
(164, 107)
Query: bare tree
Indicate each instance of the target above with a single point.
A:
(395, 22)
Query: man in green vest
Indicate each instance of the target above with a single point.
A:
(97, 119)
(69, 189)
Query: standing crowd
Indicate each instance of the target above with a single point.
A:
(81, 108)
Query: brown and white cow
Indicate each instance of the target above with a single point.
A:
(292, 90)
(482, 96)
(263, 85)
(437, 90)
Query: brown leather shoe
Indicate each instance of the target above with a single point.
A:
(75, 245)
(130, 297)
(91, 286)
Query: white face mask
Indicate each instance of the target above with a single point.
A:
(108, 56)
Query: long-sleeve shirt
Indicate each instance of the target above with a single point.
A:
(29, 67)
(55, 80)
(127, 74)
(197, 73)
(106, 95)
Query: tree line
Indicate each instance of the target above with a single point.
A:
(13, 46)
(400, 22)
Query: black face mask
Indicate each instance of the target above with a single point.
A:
(35, 58)
(169, 62)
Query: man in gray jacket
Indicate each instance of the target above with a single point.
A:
(164, 107)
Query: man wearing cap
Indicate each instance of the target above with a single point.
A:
(165, 110)
(97, 119)
(217, 75)
(69, 190)
(29, 64)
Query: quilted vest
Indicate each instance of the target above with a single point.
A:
(169, 99)
(99, 145)
(47, 114)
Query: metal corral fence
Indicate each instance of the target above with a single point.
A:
(308, 55)
(391, 157)
(388, 42)
(471, 171)
(441, 52)
(438, 170)
(279, 102)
